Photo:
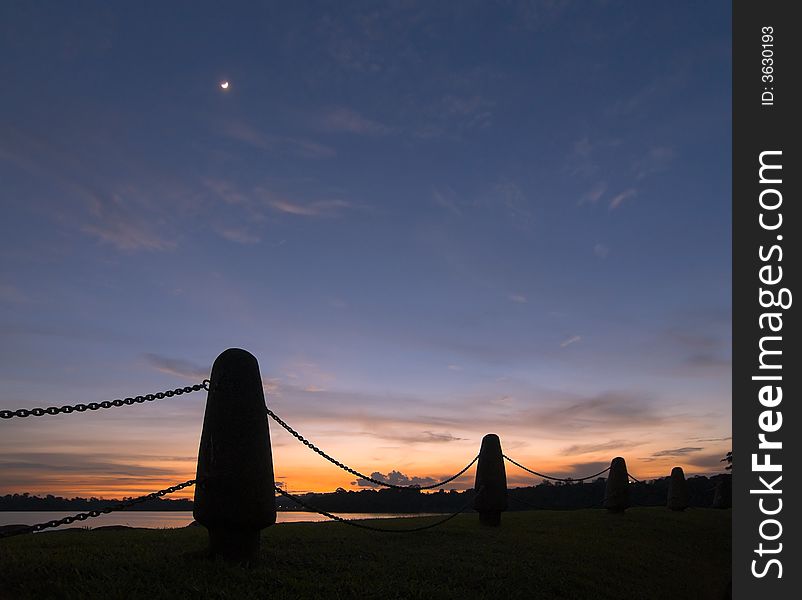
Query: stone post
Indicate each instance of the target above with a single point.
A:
(491, 482)
(677, 490)
(722, 497)
(616, 493)
(234, 495)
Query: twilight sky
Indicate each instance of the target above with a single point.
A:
(428, 221)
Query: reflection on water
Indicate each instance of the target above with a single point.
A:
(170, 519)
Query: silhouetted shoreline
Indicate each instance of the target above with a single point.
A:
(545, 496)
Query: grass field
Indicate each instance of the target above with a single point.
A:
(646, 553)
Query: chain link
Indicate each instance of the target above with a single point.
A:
(67, 409)
(371, 527)
(566, 479)
(344, 467)
(97, 512)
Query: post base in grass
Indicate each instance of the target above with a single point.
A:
(616, 491)
(491, 482)
(723, 494)
(490, 518)
(240, 546)
(235, 495)
(677, 490)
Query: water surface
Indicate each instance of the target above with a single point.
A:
(170, 519)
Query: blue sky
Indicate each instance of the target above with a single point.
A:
(427, 220)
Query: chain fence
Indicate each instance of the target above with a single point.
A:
(564, 479)
(67, 409)
(83, 516)
(354, 523)
(348, 469)
(204, 385)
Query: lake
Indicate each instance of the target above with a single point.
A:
(171, 519)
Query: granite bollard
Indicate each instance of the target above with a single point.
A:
(491, 482)
(677, 490)
(616, 492)
(234, 494)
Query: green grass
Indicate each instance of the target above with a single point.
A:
(646, 553)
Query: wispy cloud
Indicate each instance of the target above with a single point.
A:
(319, 208)
(252, 136)
(470, 112)
(108, 464)
(519, 298)
(601, 250)
(656, 160)
(345, 120)
(619, 199)
(517, 477)
(122, 222)
(677, 451)
(446, 198)
(255, 202)
(508, 196)
(177, 366)
(694, 340)
(614, 445)
(594, 194)
(247, 134)
(124, 212)
(584, 469)
(352, 42)
(603, 413)
(571, 340)
(504, 400)
(91, 473)
(307, 148)
(227, 191)
(422, 437)
(703, 350)
(240, 236)
(585, 160)
(708, 461)
(641, 100)
(708, 360)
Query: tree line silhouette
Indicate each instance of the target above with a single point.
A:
(547, 495)
(27, 502)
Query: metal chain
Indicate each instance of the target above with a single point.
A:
(633, 478)
(567, 479)
(371, 527)
(67, 409)
(344, 467)
(96, 513)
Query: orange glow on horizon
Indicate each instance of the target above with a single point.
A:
(152, 453)
(325, 478)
